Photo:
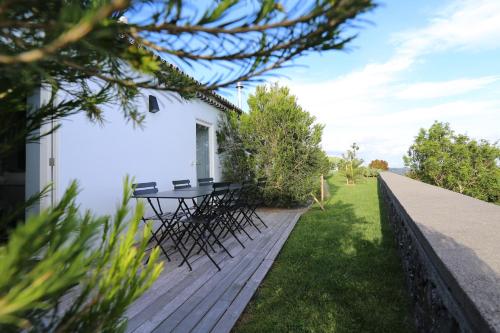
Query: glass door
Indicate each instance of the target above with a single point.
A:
(202, 152)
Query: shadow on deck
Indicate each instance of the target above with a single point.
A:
(206, 300)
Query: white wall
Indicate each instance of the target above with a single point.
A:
(165, 149)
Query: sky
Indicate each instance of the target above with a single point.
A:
(416, 62)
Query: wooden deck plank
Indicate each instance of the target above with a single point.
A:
(233, 312)
(155, 307)
(169, 302)
(205, 299)
(228, 288)
(199, 303)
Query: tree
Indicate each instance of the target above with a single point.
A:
(453, 161)
(335, 163)
(351, 165)
(379, 164)
(283, 144)
(235, 158)
(93, 261)
(81, 48)
(83, 51)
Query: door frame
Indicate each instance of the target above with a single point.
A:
(41, 156)
(211, 146)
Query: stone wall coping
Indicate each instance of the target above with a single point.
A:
(461, 235)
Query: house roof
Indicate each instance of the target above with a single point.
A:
(209, 97)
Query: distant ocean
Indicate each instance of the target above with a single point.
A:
(399, 171)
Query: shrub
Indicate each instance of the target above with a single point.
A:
(379, 164)
(235, 159)
(455, 162)
(350, 166)
(280, 141)
(371, 172)
(92, 263)
(335, 163)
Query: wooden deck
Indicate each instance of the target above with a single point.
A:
(206, 300)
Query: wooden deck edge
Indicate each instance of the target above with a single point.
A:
(234, 311)
(243, 271)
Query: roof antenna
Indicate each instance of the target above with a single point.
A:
(239, 86)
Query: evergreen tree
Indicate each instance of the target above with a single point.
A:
(282, 143)
(351, 165)
(456, 162)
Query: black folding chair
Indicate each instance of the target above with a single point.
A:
(149, 188)
(257, 200)
(243, 207)
(183, 184)
(202, 223)
(205, 181)
(229, 216)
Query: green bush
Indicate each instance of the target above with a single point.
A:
(93, 264)
(455, 162)
(350, 165)
(279, 140)
(370, 172)
(235, 159)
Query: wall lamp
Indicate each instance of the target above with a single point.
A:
(153, 104)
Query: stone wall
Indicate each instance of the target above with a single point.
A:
(449, 246)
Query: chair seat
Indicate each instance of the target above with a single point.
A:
(196, 220)
(165, 216)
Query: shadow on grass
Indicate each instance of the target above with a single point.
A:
(385, 226)
(334, 274)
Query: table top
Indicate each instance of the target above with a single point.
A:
(185, 193)
(178, 194)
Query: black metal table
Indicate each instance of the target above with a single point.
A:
(183, 210)
(168, 221)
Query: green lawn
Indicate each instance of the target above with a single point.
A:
(338, 272)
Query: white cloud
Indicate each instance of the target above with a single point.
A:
(424, 90)
(369, 105)
(468, 24)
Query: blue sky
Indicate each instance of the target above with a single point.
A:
(418, 62)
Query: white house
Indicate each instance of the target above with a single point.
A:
(177, 142)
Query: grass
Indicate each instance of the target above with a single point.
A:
(338, 272)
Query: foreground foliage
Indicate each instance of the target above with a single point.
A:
(338, 272)
(278, 140)
(63, 272)
(456, 162)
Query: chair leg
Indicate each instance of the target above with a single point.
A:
(258, 217)
(202, 246)
(230, 230)
(249, 220)
(157, 243)
(218, 241)
(240, 227)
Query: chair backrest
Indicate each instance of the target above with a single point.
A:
(205, 181)
(215, 200)
(182, 183)
(220, 186)
(144, 188)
